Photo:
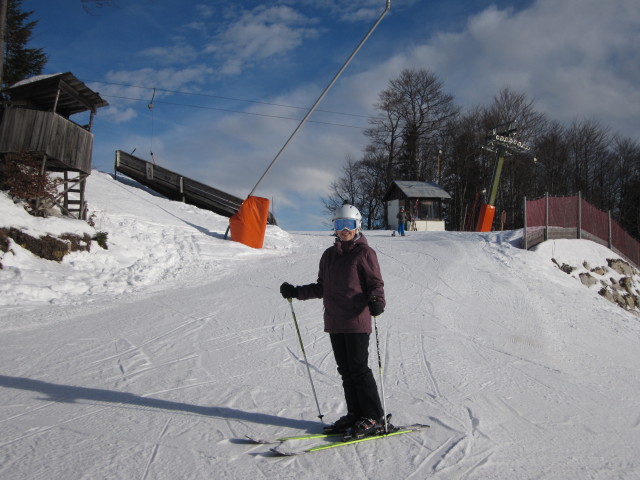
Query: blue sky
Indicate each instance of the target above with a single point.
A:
(232, 78)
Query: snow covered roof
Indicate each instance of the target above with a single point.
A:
(41, 92)
(35, 78)
(400, 189)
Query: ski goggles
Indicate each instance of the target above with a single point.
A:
(340, 224)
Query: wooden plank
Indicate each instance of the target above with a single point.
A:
(197, 189)
(68, 145)
(178, 187)
(166, 176)
(534, 237)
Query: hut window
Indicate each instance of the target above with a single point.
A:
(429, 210)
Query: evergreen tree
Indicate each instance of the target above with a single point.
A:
(20, 62)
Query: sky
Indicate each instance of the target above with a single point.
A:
(213, 90)
(155, 358)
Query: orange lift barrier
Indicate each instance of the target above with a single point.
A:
(249, 225)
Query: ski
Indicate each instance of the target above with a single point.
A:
(309, 436)
(306, 436)
(282, 451)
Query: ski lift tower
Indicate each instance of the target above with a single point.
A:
(502, 142)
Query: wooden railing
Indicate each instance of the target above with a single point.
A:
(178, 187)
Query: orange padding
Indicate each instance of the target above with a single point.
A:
(485, 220)
(249, 225)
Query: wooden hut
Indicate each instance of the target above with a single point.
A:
(422, 200)
(35, 120)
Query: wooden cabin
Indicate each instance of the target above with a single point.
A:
(422, 200)
(36, 120)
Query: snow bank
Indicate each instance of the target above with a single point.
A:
(151, 243)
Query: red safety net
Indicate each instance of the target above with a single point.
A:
(595, 221)
(535, 213)
(563, 212)
(625, 243)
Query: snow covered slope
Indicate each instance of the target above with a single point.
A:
(154, 359)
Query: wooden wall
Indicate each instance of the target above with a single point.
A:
(67, 145)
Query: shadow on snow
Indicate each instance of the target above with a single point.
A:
(70, 394)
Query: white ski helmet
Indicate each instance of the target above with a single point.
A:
(348, 212)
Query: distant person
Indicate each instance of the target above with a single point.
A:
(402, 218)
(351, 287)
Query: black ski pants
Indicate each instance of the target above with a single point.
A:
(351, 351)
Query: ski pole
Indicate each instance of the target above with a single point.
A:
(384, 407)
(323, 94)
(304, 354)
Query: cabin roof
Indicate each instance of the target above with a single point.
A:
(401, 189)
(41, 92)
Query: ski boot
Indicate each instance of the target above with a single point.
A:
(367, 427)
(342, 425)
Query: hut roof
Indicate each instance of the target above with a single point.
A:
(412, 189)
(41, 91)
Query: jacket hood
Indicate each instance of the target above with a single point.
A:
(346, 247)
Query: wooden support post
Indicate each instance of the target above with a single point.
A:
(43, 171)
(65, 201)
(525, 243)
(82, 212)
(546, 216)
(579, 215)
(117, 164)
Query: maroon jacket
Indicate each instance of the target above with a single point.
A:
(348, 277)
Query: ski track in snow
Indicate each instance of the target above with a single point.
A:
(160, 368)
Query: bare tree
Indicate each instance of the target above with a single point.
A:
(588, 143)
(412, 112)
(345, 188)
(386, 132)
(362, 185)
(552, 167)
(464, 167)
(626, 174)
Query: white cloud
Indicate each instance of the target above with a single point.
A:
(256, 35)
(162, 78)
(118, 115)
(204, 11)
(353, 11)
(575, 58)
(175, 54)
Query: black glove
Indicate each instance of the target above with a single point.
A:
(288, 291)
(376, 307)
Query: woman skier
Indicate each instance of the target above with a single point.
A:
(351, 287)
